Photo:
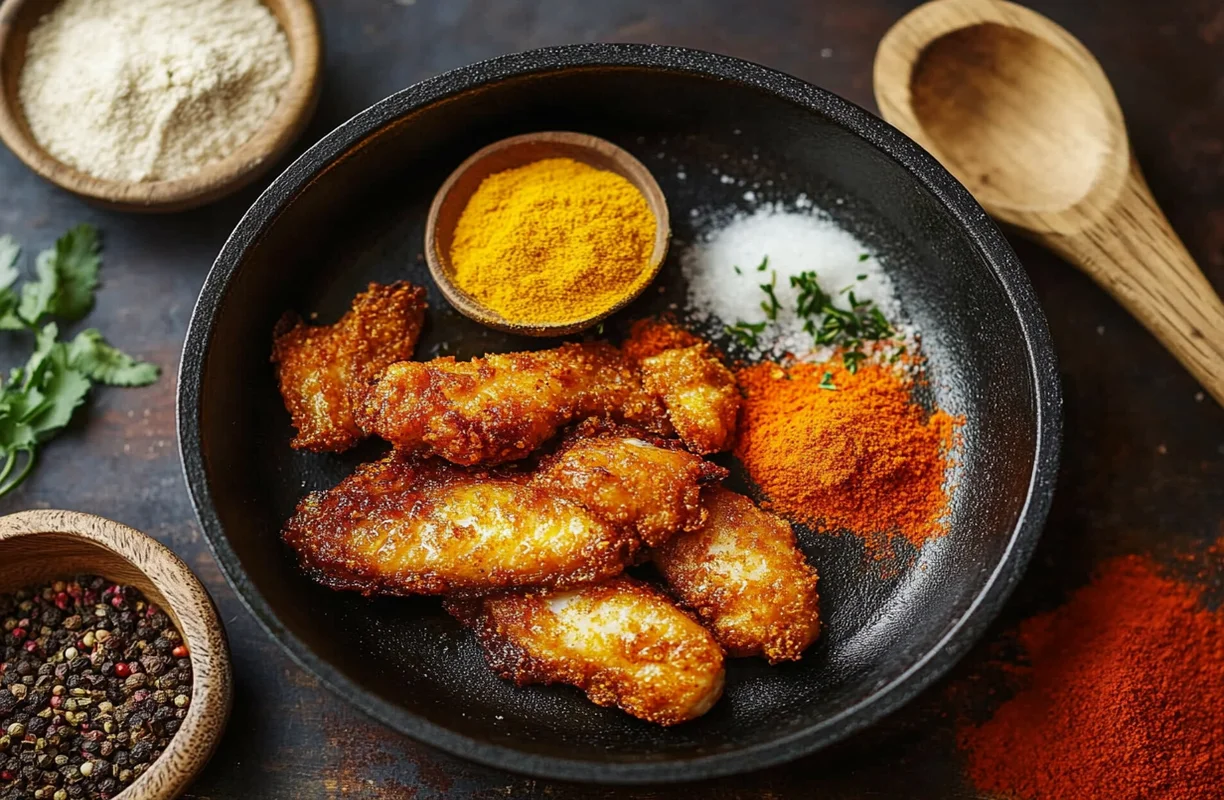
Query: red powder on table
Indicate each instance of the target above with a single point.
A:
(841, 451)
(1124, 698)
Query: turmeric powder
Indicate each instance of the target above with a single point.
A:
(554, 241)
(844, 451)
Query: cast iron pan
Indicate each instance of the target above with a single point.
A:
(351, 211)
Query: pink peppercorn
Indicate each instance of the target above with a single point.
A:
(180, 651)
(122, 670)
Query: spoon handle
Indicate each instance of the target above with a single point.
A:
(1132, 251)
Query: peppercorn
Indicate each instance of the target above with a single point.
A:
(91, 690)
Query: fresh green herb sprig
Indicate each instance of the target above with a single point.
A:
(39, 398)
(771, 305)
(746, 333)
(847, 328)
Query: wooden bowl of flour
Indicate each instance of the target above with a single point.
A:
(298, 20)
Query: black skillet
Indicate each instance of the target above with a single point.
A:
(351, 210)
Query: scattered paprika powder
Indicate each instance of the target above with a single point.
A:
(652, 335)
(554, 241)
(847, 451)
(1123, 697)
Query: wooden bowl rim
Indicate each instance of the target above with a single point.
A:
(194, 743)
(252, 159)
(636, 172)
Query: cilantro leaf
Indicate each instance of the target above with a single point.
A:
(77, 257)
(38, 296)
(9, 320)
(90, 354)
(39, 399)
(63, 389)
(9, 251)
(67, 275)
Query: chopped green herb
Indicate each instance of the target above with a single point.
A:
(38, 400)
(599, 329)
(826, 382)
(864, 256)
(763, 265)
(737, 270)
(771, 308)
(846, 328)
(811, 297)
(746, 333)
(862, 277)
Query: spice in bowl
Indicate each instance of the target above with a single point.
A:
(553, 242)
(152, 90)
(94, 682)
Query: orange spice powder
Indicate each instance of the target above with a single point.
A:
(862, 457)
(652, 335)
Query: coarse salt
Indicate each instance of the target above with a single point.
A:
(724, 276)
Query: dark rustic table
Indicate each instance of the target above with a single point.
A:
(1143, 463)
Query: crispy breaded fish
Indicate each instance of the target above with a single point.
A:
(503, 406)
(629, 478)
(324, 370)
(746, 579)
(400, 526)
(403, 526)
(622, 642)
(699, 394)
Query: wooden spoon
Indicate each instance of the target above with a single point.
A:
(517, 151)
(1022, 114)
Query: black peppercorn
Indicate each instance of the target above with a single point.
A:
(96, 697)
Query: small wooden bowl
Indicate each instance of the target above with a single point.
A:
(301, 25)
(517, 151)
(41, 546)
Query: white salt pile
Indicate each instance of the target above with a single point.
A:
(727, 268)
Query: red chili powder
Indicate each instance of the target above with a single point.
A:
(1123, 698)
(841, 451)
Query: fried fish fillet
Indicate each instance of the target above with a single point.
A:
(406, 526)
(698, 393)
(622, 642)
(502, 407)
(745, 578)
(630, 479)
(400, 526)
(324, 370)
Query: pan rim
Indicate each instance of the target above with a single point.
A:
(921, 166)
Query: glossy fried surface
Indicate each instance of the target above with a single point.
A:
(746, 579)
(698, 393)
(501, 407)
(631, 479)
(324, 370)
(622, 642)
(400, 526)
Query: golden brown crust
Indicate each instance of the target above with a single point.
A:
(325, 370)
(622, 642)
(699, 394)
(746, 579)
(502, 407)
(630, 478)
(400, 526)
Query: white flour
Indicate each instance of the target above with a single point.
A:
(147, 90)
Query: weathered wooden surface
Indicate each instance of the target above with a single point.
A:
(1143, 457)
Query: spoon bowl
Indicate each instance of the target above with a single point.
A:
(1022, 114)
(518, 151)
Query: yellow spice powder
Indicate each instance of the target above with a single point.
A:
(553, 241)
